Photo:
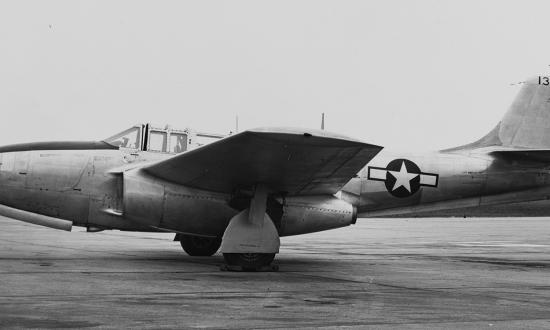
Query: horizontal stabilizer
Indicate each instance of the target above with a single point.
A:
(294, 161)
(537, 155)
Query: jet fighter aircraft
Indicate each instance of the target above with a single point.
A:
(244, 191)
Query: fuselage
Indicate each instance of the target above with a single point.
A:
(84, 184)
(462, 183)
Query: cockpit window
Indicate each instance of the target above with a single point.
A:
(144, 137)
(178, 142)
(157, 141)
(130, 138)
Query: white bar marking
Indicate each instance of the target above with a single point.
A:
(428, 179)
(375, 173)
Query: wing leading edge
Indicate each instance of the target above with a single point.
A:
(297, 162)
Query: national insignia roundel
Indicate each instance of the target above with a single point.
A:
(402, 177)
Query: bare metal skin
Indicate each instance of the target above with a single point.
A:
(505, 173)
(253, 187)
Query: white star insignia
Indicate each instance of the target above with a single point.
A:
(403, 178)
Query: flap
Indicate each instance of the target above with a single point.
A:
(293, 161)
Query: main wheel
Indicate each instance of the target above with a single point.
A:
(200, 246)
(249, 261)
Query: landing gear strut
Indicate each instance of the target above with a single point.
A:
(199, 246)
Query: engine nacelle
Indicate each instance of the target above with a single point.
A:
(308, 214)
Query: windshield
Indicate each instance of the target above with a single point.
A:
(130, 138)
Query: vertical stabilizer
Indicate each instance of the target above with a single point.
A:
(526, 124)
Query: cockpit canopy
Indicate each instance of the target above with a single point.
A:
(168, 140)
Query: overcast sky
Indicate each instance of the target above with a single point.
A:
(406, 74)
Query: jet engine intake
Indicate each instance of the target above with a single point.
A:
(308, 214)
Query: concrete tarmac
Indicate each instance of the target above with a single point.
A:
(379, 274)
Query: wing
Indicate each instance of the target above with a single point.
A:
(297, 162)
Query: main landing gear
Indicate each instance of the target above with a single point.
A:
(251, 240)
(200, 246)
(249, 262)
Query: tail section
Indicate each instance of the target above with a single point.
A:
(527, 122)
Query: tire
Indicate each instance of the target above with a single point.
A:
(249, 261)
(199, 246)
